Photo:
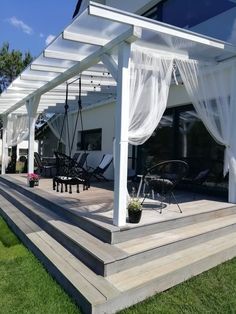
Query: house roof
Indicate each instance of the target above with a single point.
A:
(77, 8)
(93, 37)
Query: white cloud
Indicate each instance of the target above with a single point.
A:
(232, 37)
(41, 35)
(49, 39)
(20, 24)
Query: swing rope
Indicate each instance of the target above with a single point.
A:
(66, 118)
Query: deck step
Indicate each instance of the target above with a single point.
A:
(99, 256)
(89, 290)
(113, 234)
(186, 252)
(105, 259)
(161, 274)
(45, 199)
(161, 244)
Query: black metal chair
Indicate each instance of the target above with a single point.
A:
(163, 178)
(43, 168)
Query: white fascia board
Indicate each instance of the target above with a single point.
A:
(78, 37)
(116, 15)
(131, 35)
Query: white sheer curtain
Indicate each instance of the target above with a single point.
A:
(150, 78)
(212, 90)
(17, 129)
(56, 124)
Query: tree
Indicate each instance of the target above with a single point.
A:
(12, 63)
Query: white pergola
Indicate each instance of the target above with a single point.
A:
(97, 45)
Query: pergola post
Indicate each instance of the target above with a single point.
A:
(4, 144)
(121, 129)
(32, 106)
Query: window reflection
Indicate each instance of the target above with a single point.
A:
(195, 12)
(182, 135)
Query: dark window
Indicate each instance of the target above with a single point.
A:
(90, 140)
(23, 151)
(182, 135)
(188, 13)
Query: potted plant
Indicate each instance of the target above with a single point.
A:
(33, 179)
(134, 210)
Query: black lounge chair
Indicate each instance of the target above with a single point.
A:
(43, 168)
(76, 156)
(99, 171)
(163, 178)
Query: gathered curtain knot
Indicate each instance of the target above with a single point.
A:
(174, 73)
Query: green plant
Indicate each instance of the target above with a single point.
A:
(134, 205)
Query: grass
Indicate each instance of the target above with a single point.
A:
(210, 293)
(26, 287)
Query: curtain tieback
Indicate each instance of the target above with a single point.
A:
(174, 74)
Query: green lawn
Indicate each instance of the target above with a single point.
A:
(25, 287)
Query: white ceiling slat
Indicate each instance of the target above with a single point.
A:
(62, 55)
(29, 77)
(78, 37)
(47, 68)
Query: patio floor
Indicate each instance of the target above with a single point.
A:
(96, 204)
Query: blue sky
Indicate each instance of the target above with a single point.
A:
(28, 25)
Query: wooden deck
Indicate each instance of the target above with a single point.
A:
(106, 268)
(96, 204)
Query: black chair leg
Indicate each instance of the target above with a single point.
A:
(176, 202)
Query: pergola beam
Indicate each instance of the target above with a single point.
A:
(111, 65)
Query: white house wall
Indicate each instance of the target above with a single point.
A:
(96, 118)
(24, 145)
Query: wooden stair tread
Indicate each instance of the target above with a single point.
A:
(149, 242)
(95, 288)
(144, 273)
(103, 251)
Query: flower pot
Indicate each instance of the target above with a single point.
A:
(134, 216)
(31, 184)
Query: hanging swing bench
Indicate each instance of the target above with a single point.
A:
(69, 171)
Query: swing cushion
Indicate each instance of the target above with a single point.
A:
(69, 180)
